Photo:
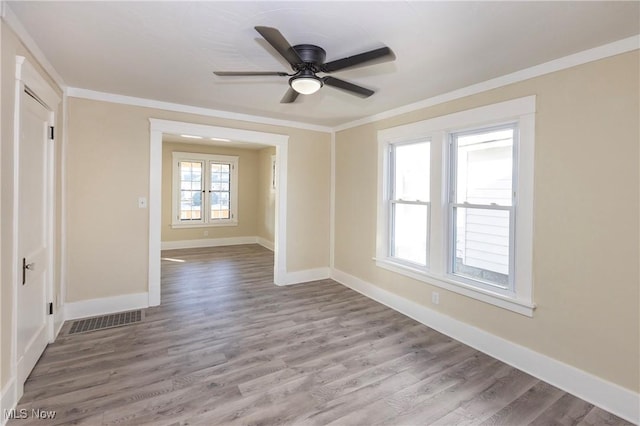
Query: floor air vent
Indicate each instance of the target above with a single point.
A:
(106, 321)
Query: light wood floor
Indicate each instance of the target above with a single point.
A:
(229, 347)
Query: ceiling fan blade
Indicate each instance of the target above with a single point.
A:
(382, 54)
(249, 73)
(289, 97)
(349, 87)
(277, 40)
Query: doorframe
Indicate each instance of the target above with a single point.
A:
(157, 128)
(27, 75)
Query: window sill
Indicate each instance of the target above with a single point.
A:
(203, 225)
(519, 306)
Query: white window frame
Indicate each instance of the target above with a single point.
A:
(519, 297)
(452, 204)
(392, 201)
(206, 220)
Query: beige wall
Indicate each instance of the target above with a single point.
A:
(586, 247)
(308, 215)
(266, 196)
(108, 169)
(10, 47)
(248, 208)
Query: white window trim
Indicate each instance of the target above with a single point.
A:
(522, 111)
(205, 222)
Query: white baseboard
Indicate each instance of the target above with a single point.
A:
(105, 305)
(265, 243)
(602, 393)
(287, 278)
(8, 400)
(299, 277)
(207, 242)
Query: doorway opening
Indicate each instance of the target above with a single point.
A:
(160, 128)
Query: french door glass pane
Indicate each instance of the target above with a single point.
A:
(190, 190)
(410, 239)
(485, 167)
(412, 165)
(482, 245)
(220, 191)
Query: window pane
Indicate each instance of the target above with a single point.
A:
(190, 190)
(220, 191)
(482, 245)
(409, 232)
(412, 168)
(485, 167)
(220, 205)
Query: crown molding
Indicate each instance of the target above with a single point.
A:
(10, 18)
(590, 55)
(76, 92)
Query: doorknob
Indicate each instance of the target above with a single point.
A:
(30, 266)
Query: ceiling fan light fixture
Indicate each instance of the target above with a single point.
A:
(308, 59)
(305, 83)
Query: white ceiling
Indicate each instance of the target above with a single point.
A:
(167, 50)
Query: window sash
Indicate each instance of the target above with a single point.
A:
(468, 278)
(393, 173)
(392, 232)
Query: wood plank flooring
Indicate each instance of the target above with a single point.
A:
(228, 347)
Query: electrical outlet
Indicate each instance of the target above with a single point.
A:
(435, 298)
(142, 203)
(205, 233)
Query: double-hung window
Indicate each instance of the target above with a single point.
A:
(409, 202)
(205, 190)
(482, 206)
(455, 203)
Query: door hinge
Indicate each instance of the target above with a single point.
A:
(51, 132)
(50, 308)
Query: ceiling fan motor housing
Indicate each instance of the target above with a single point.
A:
(311, 55)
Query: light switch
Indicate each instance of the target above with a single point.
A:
(142, 202)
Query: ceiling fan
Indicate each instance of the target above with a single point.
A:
(307, 60)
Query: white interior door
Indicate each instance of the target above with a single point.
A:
(33, 234)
